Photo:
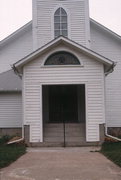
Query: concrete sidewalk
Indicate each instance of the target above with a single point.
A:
(62, 164)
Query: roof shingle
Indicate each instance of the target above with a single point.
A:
(9, 81)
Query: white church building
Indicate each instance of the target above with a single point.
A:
(60, 77)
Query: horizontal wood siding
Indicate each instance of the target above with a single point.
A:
(10, 110)
(78, 20)
(91, 74)
(110, 47)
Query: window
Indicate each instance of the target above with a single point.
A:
(62, 58)
(60, 23)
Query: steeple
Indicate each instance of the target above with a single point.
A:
(52, 18)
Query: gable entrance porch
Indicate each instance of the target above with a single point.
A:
(63, 82)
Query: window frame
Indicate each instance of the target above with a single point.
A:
(61, 23)
(80, 63)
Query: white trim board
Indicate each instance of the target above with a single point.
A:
(62, 83)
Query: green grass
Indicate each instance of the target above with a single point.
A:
(112, 150)
(10, 153)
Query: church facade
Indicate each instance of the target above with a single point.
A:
(64, 87)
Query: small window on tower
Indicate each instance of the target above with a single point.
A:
(60, 23)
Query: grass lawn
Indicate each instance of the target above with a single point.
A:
(9, 153)
(112, 150)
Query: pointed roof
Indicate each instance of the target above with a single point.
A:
(16, 34)
(104, 28)
(109, 64)
(29, 25)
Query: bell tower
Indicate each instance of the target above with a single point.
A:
(52, 18)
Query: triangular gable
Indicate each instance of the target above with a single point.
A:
(109, 64)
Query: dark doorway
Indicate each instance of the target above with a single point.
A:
(63, 105)
(64, 114)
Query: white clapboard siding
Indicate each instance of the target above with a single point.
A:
(10, 110)
(15, 48)
(110, 47)
(78, 20)
(91, 74)
(35, 131)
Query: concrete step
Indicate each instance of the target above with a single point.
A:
(53, 139)
(67, 131)
(54, 133)
(67, 144)
(68, 134)
(67, 126)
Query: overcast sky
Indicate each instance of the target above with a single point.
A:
(16, 13)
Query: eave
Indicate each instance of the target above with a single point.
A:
(109, 64)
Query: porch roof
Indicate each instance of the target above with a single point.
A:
(10, 82)
(109, 64)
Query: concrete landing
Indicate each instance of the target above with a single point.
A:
(62, 164)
